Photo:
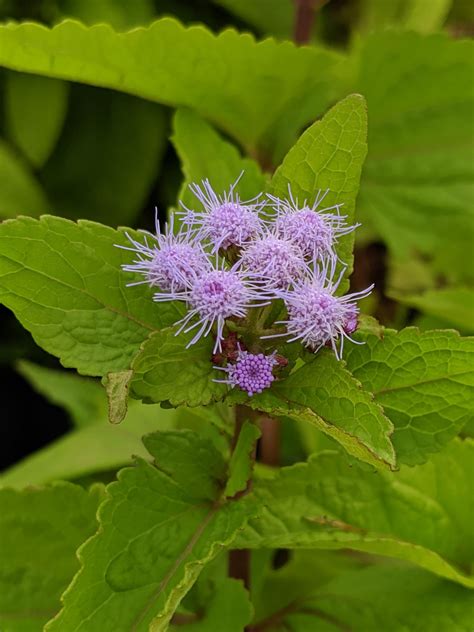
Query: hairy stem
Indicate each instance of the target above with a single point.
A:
(270, 440)
(304, 18)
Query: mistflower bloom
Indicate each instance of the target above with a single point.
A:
(316, 316)
(251, 372)
(167, 261)
(225, 221)
(213, 297)
(314, 231)
(276, 259)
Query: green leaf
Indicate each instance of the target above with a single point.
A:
(103, 135)
(384, 597)
(205, 154)
(454, 305)
(424, 382)
(20, 193)
(329, 503)
(164, 370)
(40, 530)
(98, 447)
(251, 90)
(64, 283)
(228, 609)
(242, 460)
(82, 398)
(323, 393)
(415, 15)
(329, 155)
(35, 108)
(135, 572)
(117, 387)
(416, 188)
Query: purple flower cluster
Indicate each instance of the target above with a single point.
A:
(230, 259)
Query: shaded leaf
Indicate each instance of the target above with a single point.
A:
(35, 108)
(40, 530)
(242, 459)
(416, 188)
(20, 193)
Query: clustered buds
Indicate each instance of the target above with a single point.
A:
(231, 260)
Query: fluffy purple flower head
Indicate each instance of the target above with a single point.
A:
(167, 261)
(225, 221)
(314, 231)
(214, 296)
(316, 316)
(251, 372)
(276, 259)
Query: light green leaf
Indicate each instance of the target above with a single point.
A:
(242, 459)
(40, 530)
(424, 382)
(329, 155)
(416, 15)
(35, 108)
(20, 193)
(426, 17)
(228, 609)
(454, 305)
(117, 387)
(384, 597)
(205, 154)
(64, 283)
(135, 572)
(164, 370)
(323, 393)
(114, 142)
(82, 398)
(329, 503)
(100, 447)
(416, 188)
(251, 90)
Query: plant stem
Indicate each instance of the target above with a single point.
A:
(270, 440)
(304, 18)
(239, 559)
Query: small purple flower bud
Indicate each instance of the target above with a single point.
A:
(170, 262)
(315, 232)
(316, 316)
(251, 373)
(213, 297)
(226, 221)
(276, 259)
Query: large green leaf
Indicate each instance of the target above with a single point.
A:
(269, 17)
(64, 283)
(424, 382)
(454, 305)
(135, 572)
(103, 135)
(323, 393)
(20, 193)
(205, 154)
(121, 14)
(416, 188)
(164, 370)
(329, 155)
(40, 530)
(329, 503)
(384, 597)
(251, 90)
(35, 108)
